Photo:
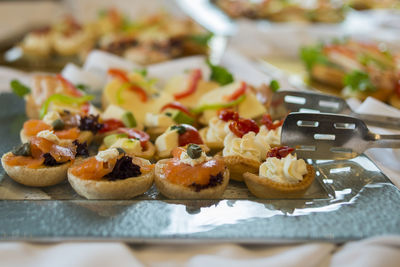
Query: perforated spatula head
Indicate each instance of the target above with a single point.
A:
(325, 136)
(284, 102)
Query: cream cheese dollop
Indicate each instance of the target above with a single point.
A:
(217, 131)
(285, 170)
(185, 158)
(245, 147)
(107, 154)
(49, 135)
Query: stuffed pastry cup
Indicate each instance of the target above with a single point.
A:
(281, 177)
(191, 175)
(43, 161)
(111, 174)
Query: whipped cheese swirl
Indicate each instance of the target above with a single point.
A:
(271, 137)
(245, 147)
(107, 154)
(285, 170)
(217, 131)
(185, 158)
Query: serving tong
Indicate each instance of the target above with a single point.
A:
(284, 102)
(331, 136)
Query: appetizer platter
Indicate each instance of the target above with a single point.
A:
(146, 39)
(194, 156)
(355, 69)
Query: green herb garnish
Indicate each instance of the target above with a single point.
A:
(359, 81)
(201, 39)
(82, 87)
(142, 72)
(274, 85)
(220, 74)
(19, 89)
(69, 100)
(312, 55)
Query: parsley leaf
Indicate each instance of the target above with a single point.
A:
(274, 85)
(82, 87)
(312, 55)
(201, 39)
(142, 72)
(359, 81)
(220, 74)
(19, 89)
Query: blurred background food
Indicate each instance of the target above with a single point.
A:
(343, 47)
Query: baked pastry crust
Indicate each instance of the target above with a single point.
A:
(40, 177)
(120, 189)
(175, 191)
(239, 165)
(267, 188)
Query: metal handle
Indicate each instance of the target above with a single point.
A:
(378, 120)
(385, 141)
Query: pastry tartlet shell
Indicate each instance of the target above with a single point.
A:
(175, 191)
(38, 177)
(120, 189)
(239, 165)
(267, 188)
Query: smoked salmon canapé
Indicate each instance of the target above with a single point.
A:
(43, 161)
(282, 175)
(191, 174)
(111, 174)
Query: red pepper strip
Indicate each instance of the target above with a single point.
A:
(72, 90)
(235, 95)
(121, 75)
(111, 125)
(142, 93)
(177, 105)
(195, 77)
(279, 152)
(267, 122)
(143, 137)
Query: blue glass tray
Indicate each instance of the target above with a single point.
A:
(349, 200)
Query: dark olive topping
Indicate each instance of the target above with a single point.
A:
(58, 124)
(124, 168)
(49, 160)
(181, 129)
(81, 149)
(194, 151)
(22, 150)
(169, 114)
(90, 123)
(214, 181)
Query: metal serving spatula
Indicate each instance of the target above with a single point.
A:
(330, 136)
(284, 102)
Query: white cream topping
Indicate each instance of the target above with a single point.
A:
(166, 142)
(245, 147)
(158, 120)
(107, 154)
(130, 146)
(285, 170)
(185, 158)
(271, 137)
(50, 117)
(217, 131)
(49, 135)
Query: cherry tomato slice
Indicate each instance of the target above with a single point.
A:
(267, 122)
(228, 115)
(190, 136)
(111, 125)
(279, 152)
(243, 126)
